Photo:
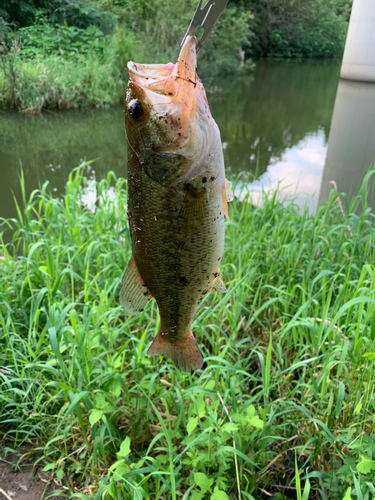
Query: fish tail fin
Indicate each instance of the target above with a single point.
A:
(184, 353)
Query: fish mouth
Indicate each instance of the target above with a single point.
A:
(168, 79)
(148, 74)
(171, 91)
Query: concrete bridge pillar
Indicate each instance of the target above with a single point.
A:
(359, 55)
(351, 143)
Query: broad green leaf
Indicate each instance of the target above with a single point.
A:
(60, 474)
(191, 425)
(137, 465)
(221, 482)
(253, 419)
(117, 361)
(50, 466)
(116, 464)
(95, 415)
(229, 427)
(122, 468)
(124, 448)
(197, 495)
(256, 422)
(347, 494)
(239, 418)
(219, 494)
(203, 481)
(100, 401)
(250, 410)
(163, 459)
(115, 388)
(201, 407)
(367, 465)
(119, 467)
(210, 385)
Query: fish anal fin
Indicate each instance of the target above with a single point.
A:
(134, 294)
(184, 353)
(218, 285)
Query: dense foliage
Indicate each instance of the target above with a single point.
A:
(297, 28)
(283, 28)
(67, 64)
(285, 405)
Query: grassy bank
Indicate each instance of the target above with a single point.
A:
(46, 66)
(289, 350)
(83, 74)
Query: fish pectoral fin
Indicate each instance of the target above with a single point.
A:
(134, 293)
(226, 195)
(218, 285)
(225, 203)
(192, 212)
(229, 191)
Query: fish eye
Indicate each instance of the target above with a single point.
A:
(135, 109)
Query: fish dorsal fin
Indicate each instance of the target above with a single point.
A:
(218, 285)
(228, 191)
(134, 294)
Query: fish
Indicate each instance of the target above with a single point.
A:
(177, 200)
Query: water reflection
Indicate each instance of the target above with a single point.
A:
(297, 175)
(351, 145)
(286, 102)
(269, 120)
(48, 147)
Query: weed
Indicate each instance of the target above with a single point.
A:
(285, 404)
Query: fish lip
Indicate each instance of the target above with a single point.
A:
(186, 65)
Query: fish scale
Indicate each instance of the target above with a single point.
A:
(161, 261)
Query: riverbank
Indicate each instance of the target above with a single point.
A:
(59, 55)
(53, 66)
(289, 351)
(55, 83)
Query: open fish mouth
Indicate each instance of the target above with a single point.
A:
(173, 96)
(146, 74)
(167, 78)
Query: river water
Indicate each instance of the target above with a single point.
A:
(274, 123)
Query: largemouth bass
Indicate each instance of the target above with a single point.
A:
(177, 200)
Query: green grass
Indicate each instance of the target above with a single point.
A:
(50, 81)
(285, 404)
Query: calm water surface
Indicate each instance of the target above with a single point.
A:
(274, 124)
